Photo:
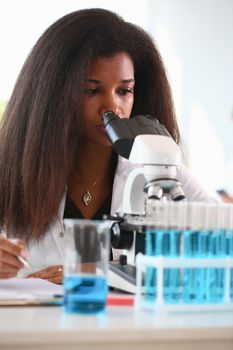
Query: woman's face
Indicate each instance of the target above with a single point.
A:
(109, 87)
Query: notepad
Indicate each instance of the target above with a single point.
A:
(20, 291)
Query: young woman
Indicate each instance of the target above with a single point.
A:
(55, 159)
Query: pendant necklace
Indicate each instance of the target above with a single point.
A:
(86, 198)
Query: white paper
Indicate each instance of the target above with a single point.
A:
(28, 288)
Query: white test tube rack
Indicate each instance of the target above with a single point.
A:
(161, 263)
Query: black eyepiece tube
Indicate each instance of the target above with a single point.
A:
(108, 117)
(122, 131)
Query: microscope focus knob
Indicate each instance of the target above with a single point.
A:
(121, 236)
(123, 260)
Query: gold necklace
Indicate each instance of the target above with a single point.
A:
(87, 198)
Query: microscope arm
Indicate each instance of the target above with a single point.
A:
(134, 184)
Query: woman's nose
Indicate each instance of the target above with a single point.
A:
(110, 104)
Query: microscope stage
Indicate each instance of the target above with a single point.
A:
(122, 277)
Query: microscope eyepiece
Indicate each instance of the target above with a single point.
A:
(108, 117)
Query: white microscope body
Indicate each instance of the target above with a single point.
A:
(146, 143)
(160, 158)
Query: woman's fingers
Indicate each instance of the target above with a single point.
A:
(7, 260)
(9, 252)
(57, 280)
(10, 247)
(19, 245)
(51, 271)
(13, 246)
(53, 274)
(8, 274)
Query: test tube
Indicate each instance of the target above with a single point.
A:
(156, 244)
(191, 275)
(177, 223)
(229, 243)
(217, 249)
(203, 248)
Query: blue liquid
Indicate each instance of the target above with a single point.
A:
(203, 251)
(229, 248)
(217, 276)
(163, 249)
(191, 278)
(231, 285)
(175, 274)
(151, 272)
(192, 285)
(163, 243)
(85, 294)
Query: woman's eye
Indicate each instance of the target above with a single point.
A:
(125, 91)
(91, 91)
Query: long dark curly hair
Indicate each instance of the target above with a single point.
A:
(42, 125)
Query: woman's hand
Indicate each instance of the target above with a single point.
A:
(9, 263)
(52, 274)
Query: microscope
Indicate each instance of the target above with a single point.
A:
(148, 144)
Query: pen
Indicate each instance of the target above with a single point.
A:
(23, 261)
(20, 258)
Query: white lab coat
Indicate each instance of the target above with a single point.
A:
(50, 250)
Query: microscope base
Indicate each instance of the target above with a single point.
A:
(122, 277)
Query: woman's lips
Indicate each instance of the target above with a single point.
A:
(100, 128)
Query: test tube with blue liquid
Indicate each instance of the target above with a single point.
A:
(164, 247)
(217, 249)
(229, 243)
(191, 250)
(165, 240)
(194, 230)
(151, 275)
(206, 224)
(177, 224)
(157, 241)
(169, 246)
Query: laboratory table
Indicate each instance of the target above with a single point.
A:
(49, 328)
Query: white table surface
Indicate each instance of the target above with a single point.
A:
(120, 328)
